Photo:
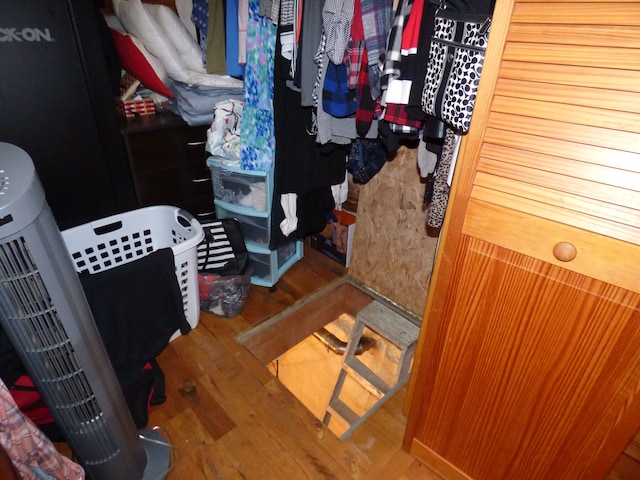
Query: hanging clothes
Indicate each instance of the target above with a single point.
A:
(231, 29)
(396, 95)
(243, 20)
(200, 18)
(303, 167)
(337, 16)
(442, 181)
(393, 54)
(286, 31)
(377, 17)
(310, 36)
(215, 48)
(257, 130)
(357, 48)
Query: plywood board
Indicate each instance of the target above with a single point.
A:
(391, 252)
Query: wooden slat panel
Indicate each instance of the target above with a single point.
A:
(507, 320)
(589, 97)
(597, 117)
(594, 220)
(569, 119)
(583, 134)
(617, 3)
(580, 13)
(497, 160)
(600, 257)
(532, 360)
(619, 80)
(549, 146)
(594, 35)
(310, 314)
(570, 185)
(608, 212)
(587, 56)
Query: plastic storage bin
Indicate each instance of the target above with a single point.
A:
(250, 189)
(255, 229)
(240, 194)
(269, 265)
(123, 238)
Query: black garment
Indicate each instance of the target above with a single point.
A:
(146, 387)
(11, 367)
(414, 106)
(302, 166)
(137, 307)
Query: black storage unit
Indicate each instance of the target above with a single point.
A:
(57, 87)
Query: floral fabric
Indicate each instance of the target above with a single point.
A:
(257, 131)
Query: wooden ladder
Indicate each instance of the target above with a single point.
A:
(393, 327)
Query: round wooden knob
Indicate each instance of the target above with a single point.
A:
(565, 251)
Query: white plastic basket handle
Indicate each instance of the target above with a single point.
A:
(107, 227)
(115, 222)
(185, 219)
(107, 224)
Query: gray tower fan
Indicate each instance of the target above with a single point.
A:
(44, 313)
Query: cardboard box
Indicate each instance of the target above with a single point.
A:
(336, 240)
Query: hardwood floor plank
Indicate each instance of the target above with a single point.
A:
(268, 413)
(199, 457)
(240, 423)
(185, 382)
(235, 420)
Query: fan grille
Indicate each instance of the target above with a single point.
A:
(29, 309)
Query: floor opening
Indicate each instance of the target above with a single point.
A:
(307, 347)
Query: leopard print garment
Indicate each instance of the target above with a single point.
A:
(440, 196)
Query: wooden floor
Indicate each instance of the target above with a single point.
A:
(229, 418)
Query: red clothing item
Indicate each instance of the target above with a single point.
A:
(357, 48)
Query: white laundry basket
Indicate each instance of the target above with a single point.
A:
(123, 238)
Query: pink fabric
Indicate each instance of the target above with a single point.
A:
(28, 447)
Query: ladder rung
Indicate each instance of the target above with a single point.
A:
(361, 372)
(339, 408)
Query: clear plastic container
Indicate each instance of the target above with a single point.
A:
(255, 229)
(236, 186)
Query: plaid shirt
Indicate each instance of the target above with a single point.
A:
(395, 113)
(393, 53)
(353, 61)
(377, 17)
(356, 48)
